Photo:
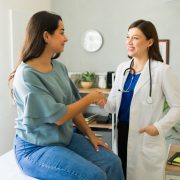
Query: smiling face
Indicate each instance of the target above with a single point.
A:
(56, 41)
(137, 44)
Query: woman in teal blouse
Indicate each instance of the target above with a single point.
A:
(48, 104)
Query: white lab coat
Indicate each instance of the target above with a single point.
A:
(146, 155)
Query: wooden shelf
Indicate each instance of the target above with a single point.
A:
(103, 126)
(105, 91)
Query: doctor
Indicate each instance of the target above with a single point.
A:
(137, 97)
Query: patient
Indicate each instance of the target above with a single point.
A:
(48, 104)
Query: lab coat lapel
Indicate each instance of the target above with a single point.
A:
(124, 76)
(121, 79)
(144, 77)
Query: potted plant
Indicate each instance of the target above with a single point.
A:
(86, 79)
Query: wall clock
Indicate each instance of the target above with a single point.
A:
(92, 40)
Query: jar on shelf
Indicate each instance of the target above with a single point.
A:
(102, 81)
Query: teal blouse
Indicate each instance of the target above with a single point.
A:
(41, 100)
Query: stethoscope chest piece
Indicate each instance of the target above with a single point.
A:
(149, 100)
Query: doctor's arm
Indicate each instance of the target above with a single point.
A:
(113, 97)
(171, 89)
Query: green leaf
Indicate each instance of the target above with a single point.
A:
(87, 76)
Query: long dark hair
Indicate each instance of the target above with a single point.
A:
(150, 32)
(34, 43)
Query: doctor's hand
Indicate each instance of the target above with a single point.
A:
(150, 130)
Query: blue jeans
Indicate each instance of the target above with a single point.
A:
(77, 161)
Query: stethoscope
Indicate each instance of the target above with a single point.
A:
(131, 69)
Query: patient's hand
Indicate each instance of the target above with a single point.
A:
(96, 142)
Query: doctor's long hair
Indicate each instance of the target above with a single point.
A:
(34, 43)
(149, 30)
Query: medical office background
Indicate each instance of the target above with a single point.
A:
(110, 17)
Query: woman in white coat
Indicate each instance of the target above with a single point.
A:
(137, 97)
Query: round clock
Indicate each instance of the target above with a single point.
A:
(92, 40)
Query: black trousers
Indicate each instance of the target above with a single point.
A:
(123, 129)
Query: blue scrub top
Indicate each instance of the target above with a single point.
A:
(41, 100)
(124, 110)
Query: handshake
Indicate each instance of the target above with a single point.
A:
(98, 98)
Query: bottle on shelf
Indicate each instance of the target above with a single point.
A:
(102, 81)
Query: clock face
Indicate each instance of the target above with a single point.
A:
(92, 40)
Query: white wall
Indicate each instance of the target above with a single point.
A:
(112, 18)
(7, 109)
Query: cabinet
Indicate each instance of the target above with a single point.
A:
(172, 172)
(104, 130)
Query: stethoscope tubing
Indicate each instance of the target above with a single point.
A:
(149, 98)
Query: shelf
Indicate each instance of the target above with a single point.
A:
(103, 126)
(105, 91)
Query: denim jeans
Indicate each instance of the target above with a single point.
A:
(77, 161)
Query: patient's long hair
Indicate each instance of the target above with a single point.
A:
(34, 43)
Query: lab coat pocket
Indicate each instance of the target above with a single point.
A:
(151, 140)
(153, 148)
